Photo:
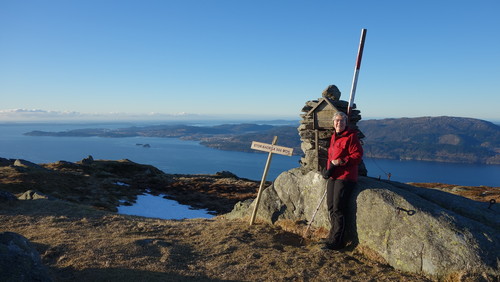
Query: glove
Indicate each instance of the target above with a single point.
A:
(327, 173)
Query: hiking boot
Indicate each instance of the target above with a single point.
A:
(328, 246)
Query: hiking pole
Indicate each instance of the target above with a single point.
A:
(356, 71)
(314, 214)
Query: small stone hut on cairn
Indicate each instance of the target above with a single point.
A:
(316, 128)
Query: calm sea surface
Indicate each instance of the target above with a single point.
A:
(176, 156)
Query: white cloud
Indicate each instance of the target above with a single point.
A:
(35, 114)
(44, 115)
(40, 115)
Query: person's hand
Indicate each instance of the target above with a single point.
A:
(327, 173)
(337, 162)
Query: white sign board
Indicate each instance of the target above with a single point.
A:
(272, 148)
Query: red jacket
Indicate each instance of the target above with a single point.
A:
(345, 146)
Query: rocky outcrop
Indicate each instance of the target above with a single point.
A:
(19, 260)
(418, 234)
(413, 229)
(33, 195)
(20, 164)
(26, 164)
(88, 160)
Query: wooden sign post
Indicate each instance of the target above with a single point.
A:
(271, 148)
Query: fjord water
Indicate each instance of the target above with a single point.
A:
(158, 207)
(173, 155)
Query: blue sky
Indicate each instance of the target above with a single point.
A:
(256, 59)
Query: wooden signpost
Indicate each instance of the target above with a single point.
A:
(272, 149)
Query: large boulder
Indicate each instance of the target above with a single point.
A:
(292, 196)
(27, 164)
(88, 160)
(33, 195)
(414, 229)
(19, 260)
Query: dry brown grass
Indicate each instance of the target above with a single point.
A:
(79, 243)
(476, 193)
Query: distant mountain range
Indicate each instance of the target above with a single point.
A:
(442, 139)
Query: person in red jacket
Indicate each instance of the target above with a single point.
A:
(344, 156)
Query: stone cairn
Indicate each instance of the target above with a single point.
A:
(316, 128)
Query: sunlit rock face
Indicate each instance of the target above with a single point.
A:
(413, 229)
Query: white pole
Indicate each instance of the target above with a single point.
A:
(356, 71)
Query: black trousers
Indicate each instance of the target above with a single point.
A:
(338, 192)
